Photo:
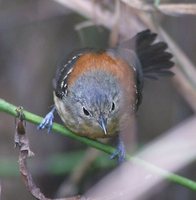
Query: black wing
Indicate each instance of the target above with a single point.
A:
(63, 71)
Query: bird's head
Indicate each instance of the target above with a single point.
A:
(97, 103)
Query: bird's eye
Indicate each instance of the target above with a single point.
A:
(86, 112)
(113, 106)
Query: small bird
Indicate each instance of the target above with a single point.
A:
(96, 92)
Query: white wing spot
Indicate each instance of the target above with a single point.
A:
(63, 83)
(69, 71)
(134, 69)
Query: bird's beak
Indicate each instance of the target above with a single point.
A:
(103, 123)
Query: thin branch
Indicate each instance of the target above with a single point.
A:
(168, 9)
(22, 142)
(100, 16)
(28, 180)
(178, 9)
(88, 9)
(185, 73)
(35, 119)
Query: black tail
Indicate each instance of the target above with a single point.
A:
(154, 58)
(151, 59)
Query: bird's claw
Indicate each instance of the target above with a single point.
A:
(47, 121)
(120, 152)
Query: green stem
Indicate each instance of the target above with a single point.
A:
(35, 119)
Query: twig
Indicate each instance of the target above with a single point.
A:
(28, 180)
(35, 119)
(103, 17)
(11, 109)
(168, 9)
(178, 9)
(22, 142)
(185, 73)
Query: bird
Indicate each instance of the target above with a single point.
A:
(97, 91)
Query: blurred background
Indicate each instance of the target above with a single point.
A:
(35, 35)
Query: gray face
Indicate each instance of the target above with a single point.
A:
(95, 103)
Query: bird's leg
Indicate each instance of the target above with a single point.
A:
(120, 151)
(47, 121)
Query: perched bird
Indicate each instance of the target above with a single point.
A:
(96, 92)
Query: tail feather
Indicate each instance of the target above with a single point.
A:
(165, 65)
(144, 39)
(156, 48)
(148, 61)
(154, 58)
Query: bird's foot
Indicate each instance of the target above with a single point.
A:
(120, 152)
(47, 121)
